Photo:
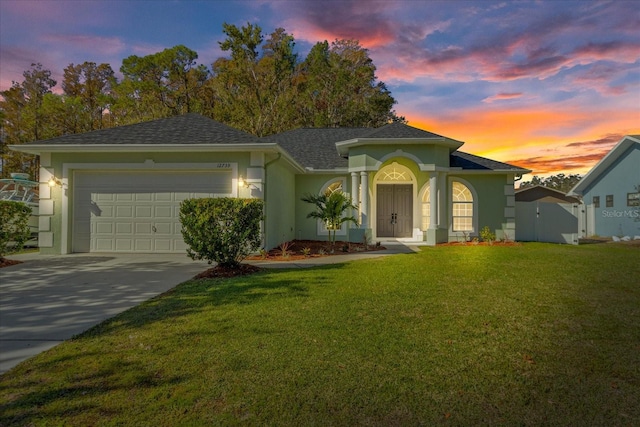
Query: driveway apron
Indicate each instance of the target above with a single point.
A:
(48, 299)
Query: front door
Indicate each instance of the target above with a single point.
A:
(394, 210)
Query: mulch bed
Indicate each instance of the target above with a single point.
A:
(224, 272)
(4, 262)
(509, 243)
(296, 250)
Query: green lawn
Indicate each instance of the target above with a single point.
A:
(536, 334)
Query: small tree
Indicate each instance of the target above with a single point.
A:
(331, 209)
(222, 230)
(14, 226)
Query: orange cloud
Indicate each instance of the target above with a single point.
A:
(548, 141)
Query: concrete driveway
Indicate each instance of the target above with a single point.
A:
(48, 299)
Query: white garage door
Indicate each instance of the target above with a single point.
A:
(137, 211)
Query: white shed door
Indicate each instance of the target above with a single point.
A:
(137, 211)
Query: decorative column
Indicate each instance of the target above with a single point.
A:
(355, 197)
(433, 190)
(364, 199)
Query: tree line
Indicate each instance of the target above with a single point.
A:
(262, 87)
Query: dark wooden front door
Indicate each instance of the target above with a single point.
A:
(394, 210)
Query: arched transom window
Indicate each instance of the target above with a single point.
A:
(462, 207)
(394, 173)
(335, 186)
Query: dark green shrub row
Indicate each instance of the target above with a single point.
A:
(222, 230)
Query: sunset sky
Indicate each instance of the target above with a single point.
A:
(547, 85)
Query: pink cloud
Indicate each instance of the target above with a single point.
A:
(503, 96)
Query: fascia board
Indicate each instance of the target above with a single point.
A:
(343, 146)
(602, 165)
(136, 148)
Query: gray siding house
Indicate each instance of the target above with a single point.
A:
(611, 191)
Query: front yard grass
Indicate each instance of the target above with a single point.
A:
(537, 334)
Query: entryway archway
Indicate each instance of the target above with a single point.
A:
(394, 201)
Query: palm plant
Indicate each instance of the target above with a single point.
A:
(332, 210)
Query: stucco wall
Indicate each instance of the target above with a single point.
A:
(62, 165)
(280, 219)
(307, 228)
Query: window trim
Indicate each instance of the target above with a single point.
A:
(609, 200)
(321, 228)
(633, 199)
(474, 205)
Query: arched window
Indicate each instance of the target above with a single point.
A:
(426, 208)
(330, 187)
(462, 207)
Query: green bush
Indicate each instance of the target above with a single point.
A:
(14, 226)
(222, 230)
(487, 235)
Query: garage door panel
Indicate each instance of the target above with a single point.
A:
(163, 211)
(104, 228)
(163, 229)
(137, 211)
(124, 228)
(143, 245)
(104, 245)
(144, 211)
(124, 245)
(162, 245)
(123, 212)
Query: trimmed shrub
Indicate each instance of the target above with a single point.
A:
(222, 230)
(14, 226)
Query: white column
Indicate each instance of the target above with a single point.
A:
(364, 199)
(355, 196)
(433, 189)
(443, 221)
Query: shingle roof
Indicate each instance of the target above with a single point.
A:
(186, 129)
(398, 131)
(311, 147)
(316, 147)
(458, 159)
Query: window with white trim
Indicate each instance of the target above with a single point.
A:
(330, 187)
(462, 207)
(426, 208)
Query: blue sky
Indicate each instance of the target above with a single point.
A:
(548, 85)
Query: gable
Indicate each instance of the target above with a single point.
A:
(618, 166)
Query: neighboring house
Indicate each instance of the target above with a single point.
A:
(119, 189)
(547, 215)
(611, 191)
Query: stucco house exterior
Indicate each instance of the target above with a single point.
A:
(119, 189)
(611, 191)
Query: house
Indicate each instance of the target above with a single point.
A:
(547, 215)
(119, 189)
(611, 191)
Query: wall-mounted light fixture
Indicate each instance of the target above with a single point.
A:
(242, 183)
(53, 181)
